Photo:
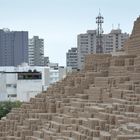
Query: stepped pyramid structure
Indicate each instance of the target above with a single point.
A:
(100, 103)
(132, 46)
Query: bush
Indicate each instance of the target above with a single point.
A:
(6, 106)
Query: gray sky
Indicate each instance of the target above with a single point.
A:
(59, 22)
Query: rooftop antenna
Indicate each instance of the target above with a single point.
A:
(112, 26)
(99, 33)
(119, 26)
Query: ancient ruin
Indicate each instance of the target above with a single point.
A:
(100, 103)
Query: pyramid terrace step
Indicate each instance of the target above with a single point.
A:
(128, 137)
(38, 134)
(13, 138)
(32, 138)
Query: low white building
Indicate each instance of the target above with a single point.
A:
(23, 82)
(20, 85)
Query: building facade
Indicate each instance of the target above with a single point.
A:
(36, 51)
(46, 61)
(87, 43)
(13, 47)
(20, 85)
(114, 41)
(23, 82)
(72, 58)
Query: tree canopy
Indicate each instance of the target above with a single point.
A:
(6, 106)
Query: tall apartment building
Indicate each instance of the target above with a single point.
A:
(36, 51)
(71, 58)
(114, 41)
(13, 47)
(86, 43)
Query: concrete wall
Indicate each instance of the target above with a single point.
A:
(28, 88)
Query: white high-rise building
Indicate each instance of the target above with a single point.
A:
(87, 43)
(36, 51)
(71, 58)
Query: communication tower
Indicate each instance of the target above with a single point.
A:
(99, 33)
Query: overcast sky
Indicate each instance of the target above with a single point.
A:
(59, 22)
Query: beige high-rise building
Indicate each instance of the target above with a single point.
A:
(87, 42)
(114, 41)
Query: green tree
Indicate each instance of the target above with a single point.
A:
(6, 106)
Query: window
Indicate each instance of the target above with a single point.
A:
(29, 76)
(12, 95)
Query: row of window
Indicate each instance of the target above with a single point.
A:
(32, 76)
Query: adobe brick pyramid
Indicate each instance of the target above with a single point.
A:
(132, 46)
(100, 103)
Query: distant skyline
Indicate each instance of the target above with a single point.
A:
(59, 22)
